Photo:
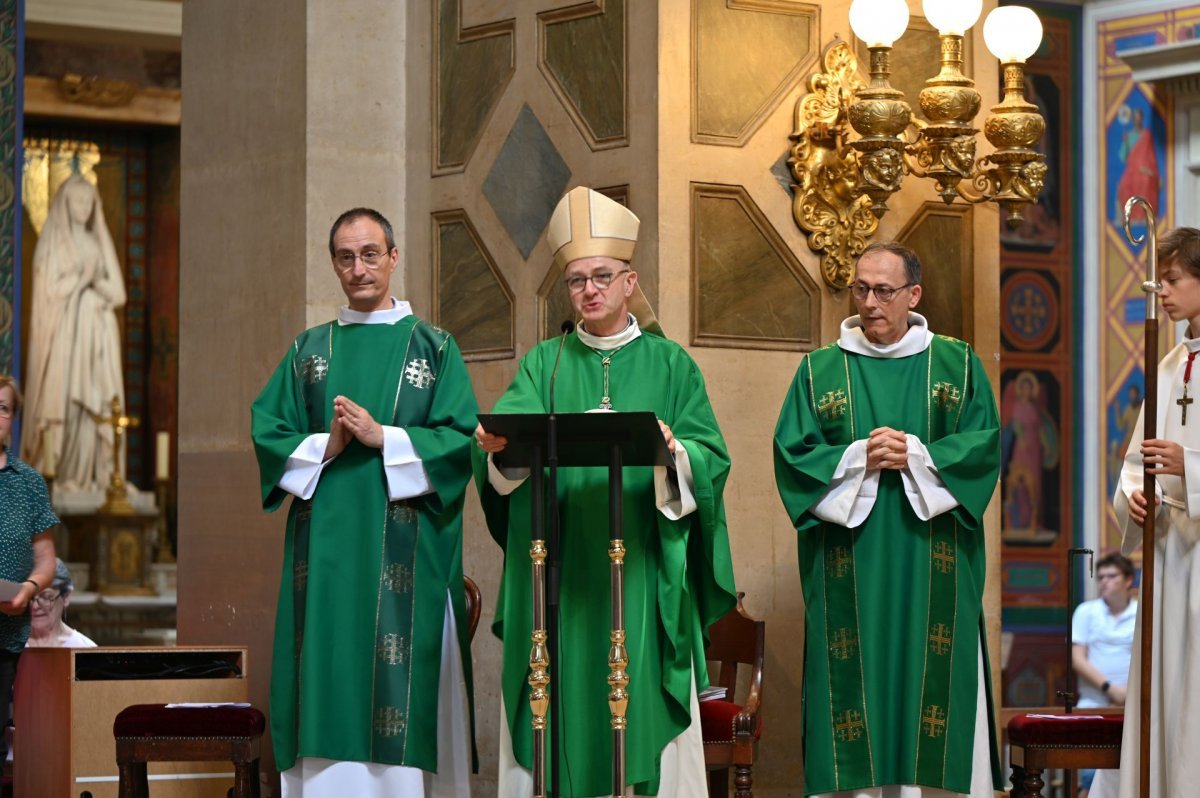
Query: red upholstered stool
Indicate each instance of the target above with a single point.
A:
(1038, 742)
(156, 733)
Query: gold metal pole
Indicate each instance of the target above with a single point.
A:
(539, 663)
(618, 662)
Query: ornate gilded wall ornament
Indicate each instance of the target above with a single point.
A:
(97, 91)
(826, 202)
(843, 182)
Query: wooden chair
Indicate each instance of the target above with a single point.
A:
(731, 730)
(474, 604)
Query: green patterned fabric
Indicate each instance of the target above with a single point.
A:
(362, 601)
(893, 608)
(678, 574)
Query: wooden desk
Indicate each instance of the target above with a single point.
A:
(66, 700)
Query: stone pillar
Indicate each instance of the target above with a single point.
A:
(293, 113)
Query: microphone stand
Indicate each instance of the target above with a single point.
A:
(553, 563)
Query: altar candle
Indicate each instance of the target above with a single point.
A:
(163, 459)
(49, 462)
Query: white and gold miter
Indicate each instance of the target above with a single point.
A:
(587, 224)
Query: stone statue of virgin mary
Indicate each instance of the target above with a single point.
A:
(74, 365)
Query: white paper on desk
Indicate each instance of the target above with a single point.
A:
(9, 589)
(239, 704)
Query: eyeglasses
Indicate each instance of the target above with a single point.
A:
(601, 280)
(371, 259)
(45, 599)
(5, 411)
(883, 293)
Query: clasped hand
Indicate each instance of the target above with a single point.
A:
(351, 421)
(887, 448)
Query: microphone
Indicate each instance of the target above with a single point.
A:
(568, 327)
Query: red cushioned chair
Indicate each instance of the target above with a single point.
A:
(156, 733)
(731, 730)
(1039, 742)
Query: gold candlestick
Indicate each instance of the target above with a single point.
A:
(117, 502)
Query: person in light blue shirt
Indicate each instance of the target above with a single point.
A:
(1102, 641)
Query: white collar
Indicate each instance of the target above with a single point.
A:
(1191, 344)
(608, 342)
(914, 341)
(395, 313)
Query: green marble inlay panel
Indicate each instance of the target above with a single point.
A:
(745, 55)
(526, 181)
(10, 154)
(584, 58)
(473, 301)
(941, 236)
(471, 71)
(750, 290)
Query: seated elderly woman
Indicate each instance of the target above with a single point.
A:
(47, 627)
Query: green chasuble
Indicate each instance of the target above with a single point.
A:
(362, 599)
(678, 574)
(893, 608)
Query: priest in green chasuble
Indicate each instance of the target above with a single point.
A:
(678, 574)
(367, 425)
(886, 456)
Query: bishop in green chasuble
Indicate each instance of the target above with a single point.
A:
(896, 690)
(372, 566)
(678, 573)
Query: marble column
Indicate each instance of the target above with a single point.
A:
(293, 112)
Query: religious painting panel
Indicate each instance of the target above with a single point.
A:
(940, 234)
(471, 298)
(746, 55)
(750, 291)
(1029, 309)
(1121, 413)
(1136, 124)
(11, 73)
(582, 53)
(1041, 228)
(1030, 459)
(472, 68)
(1039, 506)
(1036, 669)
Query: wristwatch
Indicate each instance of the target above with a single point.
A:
(1104, 687)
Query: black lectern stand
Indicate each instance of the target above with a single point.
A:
(543, 443)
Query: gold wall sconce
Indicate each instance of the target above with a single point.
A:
(843, 181)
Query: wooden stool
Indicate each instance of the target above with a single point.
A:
(156, 733)
(1038, 742)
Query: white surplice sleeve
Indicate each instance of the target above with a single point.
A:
(674, 493)
(926, 491)
(304, 466)
(402, 466)
(852, 490)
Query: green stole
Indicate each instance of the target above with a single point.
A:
(315, 349)
(832, 394)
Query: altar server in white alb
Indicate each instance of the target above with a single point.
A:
(1175, 458)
